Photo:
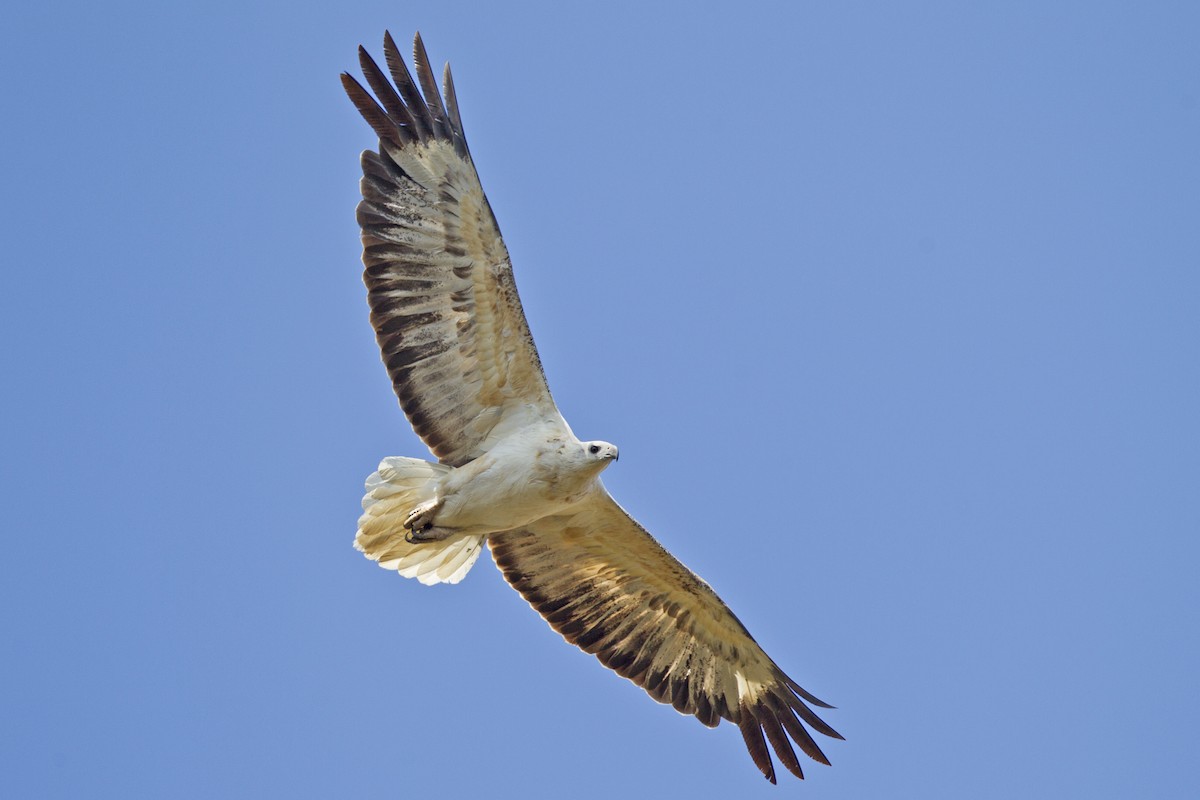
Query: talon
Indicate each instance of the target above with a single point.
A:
(421, 517)
(417, 531)
(428, 533)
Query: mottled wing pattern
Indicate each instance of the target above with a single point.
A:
(440, 285)
(603, 582)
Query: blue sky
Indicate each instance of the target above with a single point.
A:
(893, 312)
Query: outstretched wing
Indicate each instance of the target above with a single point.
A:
(603, 582)
(439, 281)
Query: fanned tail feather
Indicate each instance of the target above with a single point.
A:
(392, 492)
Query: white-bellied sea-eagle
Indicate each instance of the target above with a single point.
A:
(510, 472)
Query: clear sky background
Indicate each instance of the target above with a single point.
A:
(894, 313)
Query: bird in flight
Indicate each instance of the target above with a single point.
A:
(509, 471)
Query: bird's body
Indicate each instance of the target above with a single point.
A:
(528, 475)
(510, 472)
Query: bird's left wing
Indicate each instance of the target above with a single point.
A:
(443, 301)
(603, 582)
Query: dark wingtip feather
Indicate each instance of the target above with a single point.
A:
(816, 723)
(798, 689)
(756, 744)
(429, 87)
(798, 732)
(385, 93)
(456, 126)
(383, 125)
(411, 110)
(778, 739)
(422, 122)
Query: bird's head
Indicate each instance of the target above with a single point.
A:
(601, 453)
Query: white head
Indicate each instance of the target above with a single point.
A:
(599, 453)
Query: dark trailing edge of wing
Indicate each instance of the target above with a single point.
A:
(420, 282)
(617, 637)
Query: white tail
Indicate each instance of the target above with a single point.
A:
(393, 491)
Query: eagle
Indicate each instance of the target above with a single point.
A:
(509, 471)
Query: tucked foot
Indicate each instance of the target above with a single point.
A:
(427, 534)
(422, 516)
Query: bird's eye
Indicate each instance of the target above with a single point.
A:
(594, 449)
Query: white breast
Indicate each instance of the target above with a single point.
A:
(526, 476)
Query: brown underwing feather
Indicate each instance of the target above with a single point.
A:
(383, 125)
(444, 305)
(609, 588)
(456, 127)
(433, 98)
(416, 104)
(800, 691)
(705, 712)
(753, 735)
(798, 732)
(387, 95)
(779, 741)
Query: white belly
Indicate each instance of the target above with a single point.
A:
(521, 479)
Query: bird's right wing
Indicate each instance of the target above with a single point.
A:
(603, 582)
(439, 281)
